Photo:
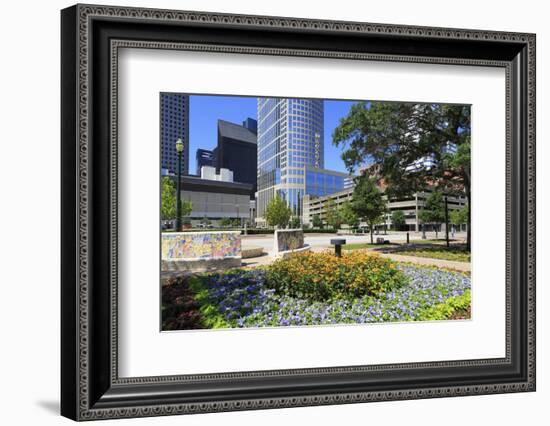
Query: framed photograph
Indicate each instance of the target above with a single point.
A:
(263, 212)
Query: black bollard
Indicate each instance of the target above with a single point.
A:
(338, 243)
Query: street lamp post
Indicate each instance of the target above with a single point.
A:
(446, 221)
(179, 150)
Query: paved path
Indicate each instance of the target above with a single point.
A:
(254, 262)
(440, 263)
(323, 240)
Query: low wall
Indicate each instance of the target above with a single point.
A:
(200, 251)
(252, 251)
(288, 240)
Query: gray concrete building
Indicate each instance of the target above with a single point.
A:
(410, 206)
(216, 199)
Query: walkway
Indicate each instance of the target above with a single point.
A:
(440, 263)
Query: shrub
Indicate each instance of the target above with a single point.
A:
(321, 231)
(447, 309)
(307, 230)
(323, 276)
(180, 310)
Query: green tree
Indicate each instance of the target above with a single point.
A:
(226, 221)
(317, 222)
(295, 222)
(277, 213)
(333, 215)
(395, 136)
(458, 217)
(398, 219)
(434, 210)
(349, 216)
(368, 202)
(168, 201)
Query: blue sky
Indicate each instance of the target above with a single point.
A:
(204, 112)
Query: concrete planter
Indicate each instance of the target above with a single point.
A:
(285, 254)
(288, 241)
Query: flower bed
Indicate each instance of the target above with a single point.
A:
(245, 299)
(323, 276)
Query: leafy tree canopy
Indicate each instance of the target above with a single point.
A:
(168, 201)
(226, 221)
(459, 216)
(398, 219)
(434, 209)
(295, 222)
(394, 136)
(333, 215)
(349, 217)
(368, 203)
(316, 221)
(277, 213)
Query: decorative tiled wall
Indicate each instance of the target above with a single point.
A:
(288, 239)
(200, 245)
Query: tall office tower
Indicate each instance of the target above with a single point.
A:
(174, 124)
(237, 150)
(204, 157)
(290, 140)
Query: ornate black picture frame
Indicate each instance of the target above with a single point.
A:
(91, 37)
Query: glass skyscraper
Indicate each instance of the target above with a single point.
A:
(174, 124)
(291, 153)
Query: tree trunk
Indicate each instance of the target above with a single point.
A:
(468, 201)
(371, 231)
(468, 225)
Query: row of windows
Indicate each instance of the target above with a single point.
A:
(321, 191)
(295, 172)
(320, 184)
(304, 128)
(320, 178)
(268, 178)
(296, 181)
(293, 198)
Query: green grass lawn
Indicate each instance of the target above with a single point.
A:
(357, 246)
(430, 241)
(433, 250)
(444, 253)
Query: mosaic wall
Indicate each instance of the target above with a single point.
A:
(291, 239)
(200, 245)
